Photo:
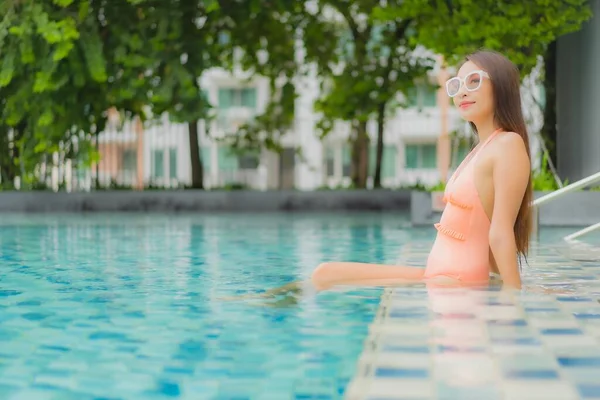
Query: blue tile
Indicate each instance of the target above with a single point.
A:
(573, 299)
(507, 322)
(447, 391)
(8, 293)
(561, 331)
(401, 373)
(531, 374)
(588, 390)
(405, 349)
(579, 361)
(455, 316)
(169, 389)
(460, 349)
(526, 341)
(587, 315)
(179, 370)
(492, 302)
(408, 314)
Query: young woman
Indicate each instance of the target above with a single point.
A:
(486, 222)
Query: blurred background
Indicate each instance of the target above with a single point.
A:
(280, 95)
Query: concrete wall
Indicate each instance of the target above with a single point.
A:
(577, 209)
(578, 96)
(200, 201)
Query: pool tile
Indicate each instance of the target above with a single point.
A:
(561, 331)
(389, 388)
(514, 374)
(401, 373)
(405, 349)
(452, 391)
(538, 390)
(589, 390)
(588, 362)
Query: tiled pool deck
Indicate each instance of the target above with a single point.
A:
(543, 343)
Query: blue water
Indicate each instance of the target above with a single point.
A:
(137, 307)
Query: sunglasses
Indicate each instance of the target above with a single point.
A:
(471, 82)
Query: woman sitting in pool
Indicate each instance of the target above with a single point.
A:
(487, 219)
(486, 222)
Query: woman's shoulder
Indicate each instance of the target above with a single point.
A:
(510, 149)
(511, 139)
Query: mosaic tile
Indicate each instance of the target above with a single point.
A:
(485, 344)
(452, 391)
(589, 391)
(538, 390)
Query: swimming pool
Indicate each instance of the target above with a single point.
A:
(129, 307)
(138, 306)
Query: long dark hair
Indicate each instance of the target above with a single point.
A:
(508, 115)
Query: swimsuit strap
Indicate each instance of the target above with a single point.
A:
(489, 139)
(467, 161)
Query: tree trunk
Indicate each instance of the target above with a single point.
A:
(379, 150)
(548, 131)
(360, 156)
(197, 169)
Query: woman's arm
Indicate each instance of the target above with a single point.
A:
(511, 174)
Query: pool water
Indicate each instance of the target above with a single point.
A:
(138, 307)
(155, 307)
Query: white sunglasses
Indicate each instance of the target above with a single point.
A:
(472, 82)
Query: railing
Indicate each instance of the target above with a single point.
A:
(580, 184)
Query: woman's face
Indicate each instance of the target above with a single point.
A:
(473, 95)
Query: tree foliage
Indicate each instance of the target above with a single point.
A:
(519, 29)
(64, 64)
(377, 63)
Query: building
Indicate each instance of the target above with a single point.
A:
(577, 98)
(416, 148)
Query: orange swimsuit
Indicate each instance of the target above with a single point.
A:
(461, 248)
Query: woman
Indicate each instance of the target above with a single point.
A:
(486, 222)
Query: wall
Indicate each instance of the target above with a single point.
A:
(578, 96)
(201, 201)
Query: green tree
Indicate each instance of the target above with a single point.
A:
(64, 64)
(377, 63)
(267, 40)
(523, 30)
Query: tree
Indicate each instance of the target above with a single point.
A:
(184, 47)
(377, 62)
(522, 30)
(64, 64)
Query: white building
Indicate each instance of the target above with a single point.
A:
(410, 142)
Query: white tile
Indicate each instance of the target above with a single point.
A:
(538, 390)
(568, 340)
(405, 387)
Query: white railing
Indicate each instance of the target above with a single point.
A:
(580, 184)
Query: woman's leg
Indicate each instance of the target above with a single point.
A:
(331, 274)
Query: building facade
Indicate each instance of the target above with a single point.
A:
(417, 148)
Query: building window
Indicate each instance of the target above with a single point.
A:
(248, 161)
(346, 160)
(158, 166)
(227, 159)
(388, 162)
(129, 161)
(173, 163)
(422, 95)
(420, 156)
(206, 158)
(237, 97)
(330, 161)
